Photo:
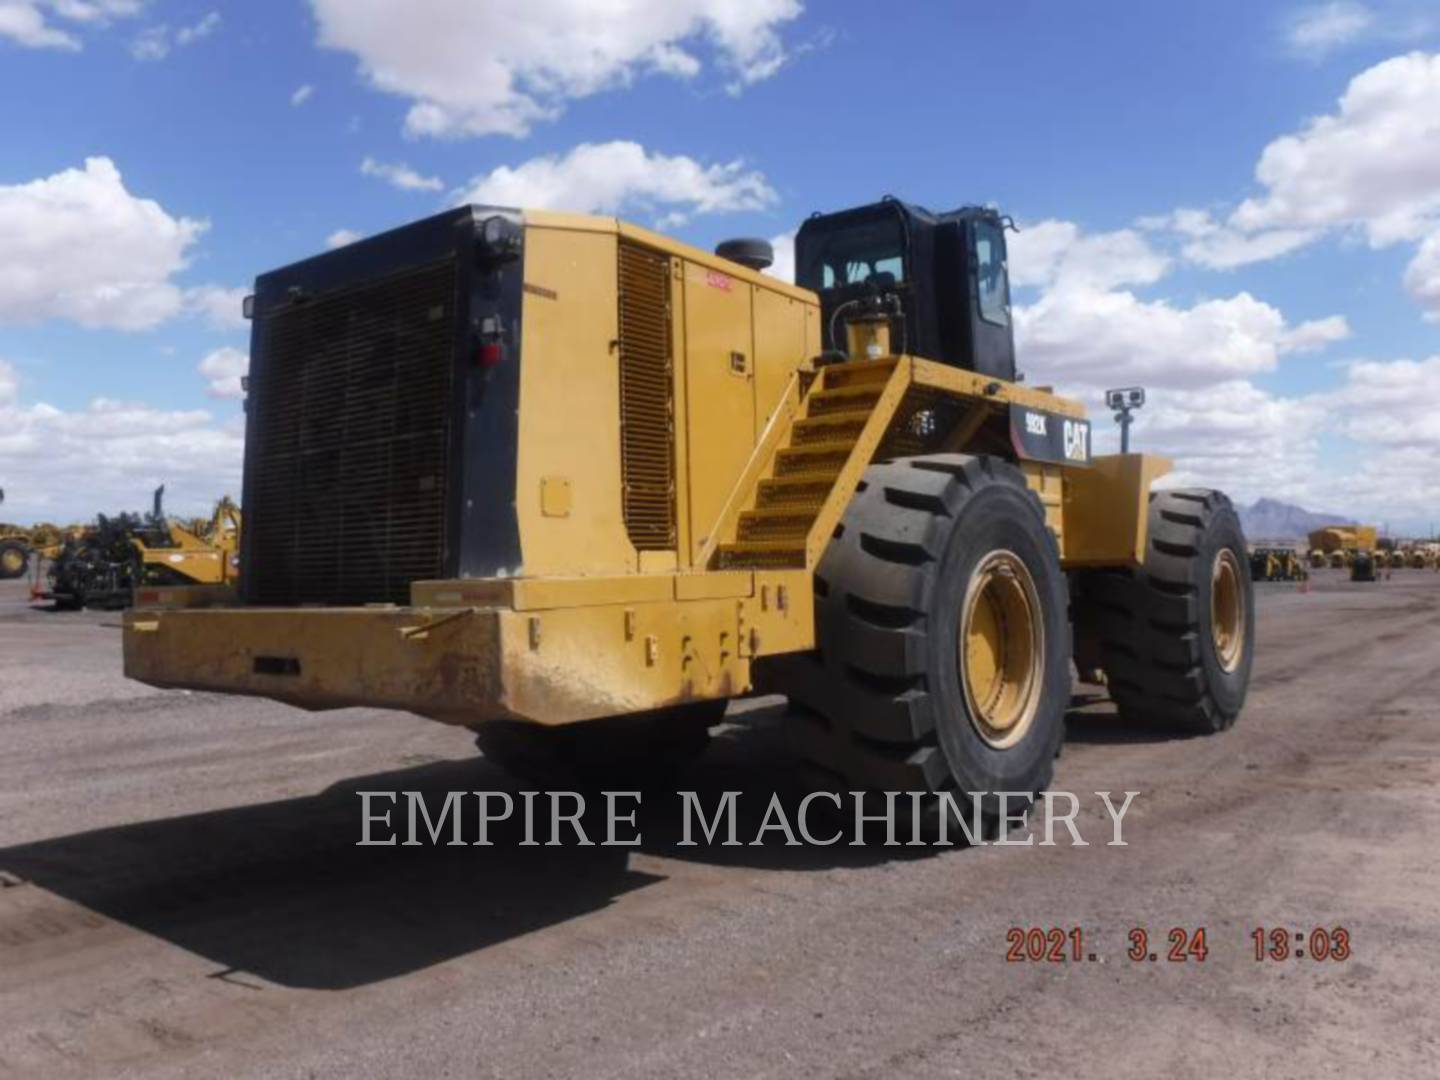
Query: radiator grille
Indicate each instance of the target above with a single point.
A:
(647, 430)
(350, 431)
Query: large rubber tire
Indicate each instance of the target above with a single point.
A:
(641, 748)
(882, 702)
(14, 559)
(1156, 625)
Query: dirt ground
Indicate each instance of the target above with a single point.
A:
(181, 894)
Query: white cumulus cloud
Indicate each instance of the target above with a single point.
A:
(223, 308)
(67, 465)
(188, 35)
(156, 42)
(1315, 31)
(78, 245)
(1234, 436)
(27, 22)
(400, 175)
(784, 265)
(1422, 276)
(1219, 246)
(1092, 336)
(502, 66)
(622, 176)
(1373, 164)
(341, 237)
(1370, 168)
(224, 368)
(1054, 252)
(1392, 403)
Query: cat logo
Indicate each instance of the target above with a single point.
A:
(1037, 435)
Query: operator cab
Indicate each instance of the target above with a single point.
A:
(941, 279)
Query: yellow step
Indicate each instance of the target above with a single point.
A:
(830, 427)
(777, 523)
(801, 489)
(813, 457)
(845, 399)
(762, 555)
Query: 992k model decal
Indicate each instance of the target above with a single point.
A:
(1038, 435)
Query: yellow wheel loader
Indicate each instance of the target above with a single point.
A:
(573, 484)
(19, 545)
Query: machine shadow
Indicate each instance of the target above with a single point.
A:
(281, 890)
(1091, 718)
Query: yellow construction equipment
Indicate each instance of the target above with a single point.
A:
(530, 472)
(1345, 538)
(1276, 564)
(1363, 564)
(202, 551)
(19, 545)
(117, 560)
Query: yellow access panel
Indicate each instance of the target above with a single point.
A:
(781, 343)
(719, 392)
(568, 472)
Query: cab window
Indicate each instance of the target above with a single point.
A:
(855, 254)
(990, 275)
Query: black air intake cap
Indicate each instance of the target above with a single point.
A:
(747, 251)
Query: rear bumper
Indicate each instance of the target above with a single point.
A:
(553, 652)
(443, 664)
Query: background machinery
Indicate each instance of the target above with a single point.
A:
(1362, 565)
(840, 490)
(103, 565)
(19, 546)
(1276, 563)
(1336, 544)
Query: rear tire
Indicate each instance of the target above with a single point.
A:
(943, 652)
(14, 559)
(1177, 637)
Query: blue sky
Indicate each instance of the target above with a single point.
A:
(1285, 339)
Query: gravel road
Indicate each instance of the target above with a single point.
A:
(181, 894)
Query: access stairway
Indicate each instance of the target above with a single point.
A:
(775, 531)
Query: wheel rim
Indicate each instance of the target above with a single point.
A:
(1001, 649)
(12, 561)
(1227, 610)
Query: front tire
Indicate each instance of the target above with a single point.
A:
(1177, 637)
(943, 658)
(14, 559)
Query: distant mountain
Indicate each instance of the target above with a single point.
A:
(1270, 519)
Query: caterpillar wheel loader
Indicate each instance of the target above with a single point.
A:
(15, 549)
(574, 484)
(1276, 564)
(18, 546)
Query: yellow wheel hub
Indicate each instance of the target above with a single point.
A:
(1002, 649)
(1227, 610)
(12, 561)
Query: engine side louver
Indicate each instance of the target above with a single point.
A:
(647, 418)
